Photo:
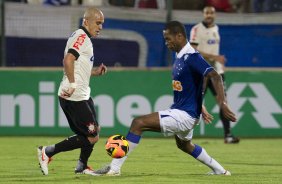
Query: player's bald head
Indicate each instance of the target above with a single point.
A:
(92, 13)
(93, 20)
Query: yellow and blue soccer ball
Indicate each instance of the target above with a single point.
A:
(117, 146)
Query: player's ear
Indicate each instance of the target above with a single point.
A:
(85, 22)
(179, 36)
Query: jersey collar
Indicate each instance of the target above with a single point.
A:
(85, 30)
(186, 49)
(206, 25)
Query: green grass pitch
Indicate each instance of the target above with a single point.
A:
(155, 160)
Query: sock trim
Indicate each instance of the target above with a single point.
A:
(133, 137)
(197, 151)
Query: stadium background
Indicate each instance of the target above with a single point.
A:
(33, 38)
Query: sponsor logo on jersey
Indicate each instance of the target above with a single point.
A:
(92, 59)
(176, 85)
(79, 41)
(72, 34)
(211, 41)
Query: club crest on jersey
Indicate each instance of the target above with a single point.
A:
(176, 85)
(79, 41)
(91, 128)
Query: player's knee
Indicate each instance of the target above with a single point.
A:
(93, 140)
(185, 146)
(181, 147)
(137, 124)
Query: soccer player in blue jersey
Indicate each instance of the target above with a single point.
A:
(188, 73)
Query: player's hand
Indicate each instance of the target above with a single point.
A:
(66, 93)
(101, 70)
(227, 113)
(207, 117)
(221, 59)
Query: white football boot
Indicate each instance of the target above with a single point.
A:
(226, 173)
(43, 159)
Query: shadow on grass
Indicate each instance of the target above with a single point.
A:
(254, 164)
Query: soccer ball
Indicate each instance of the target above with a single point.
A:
(117, 146)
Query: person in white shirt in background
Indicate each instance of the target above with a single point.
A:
(205, 37)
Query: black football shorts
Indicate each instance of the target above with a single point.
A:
(81, 116)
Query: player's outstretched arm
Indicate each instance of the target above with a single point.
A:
(211, 57)
(218, 86)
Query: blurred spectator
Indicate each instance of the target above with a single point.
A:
(188, 4)
(146, 4)
(220, 5)
(16, 1)
(155, 4)
(56, 2)
(266, 5)
(261, 6)
(276, 5)
(89, 2)
(126, 3)
(241, 6)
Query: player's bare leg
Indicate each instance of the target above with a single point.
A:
(148, 122)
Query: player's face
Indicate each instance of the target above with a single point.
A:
(209, 15)
(170, 41)
(95, 25)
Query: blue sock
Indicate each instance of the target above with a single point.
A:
(133, 137)
(197, 151)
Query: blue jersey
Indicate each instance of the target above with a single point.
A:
(188, 73)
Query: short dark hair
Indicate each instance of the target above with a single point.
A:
(176, 27)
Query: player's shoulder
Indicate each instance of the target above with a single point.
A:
(196, 26)
(77, 33)
(79, 37)
(191, 56)
(194, 54)
(214, 27)
(74, 34)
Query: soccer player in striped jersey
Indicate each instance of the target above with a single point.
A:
(188, 73)
(74, 94)
(206, 39)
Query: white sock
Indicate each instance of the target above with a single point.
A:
(118, 162)
(201, 155)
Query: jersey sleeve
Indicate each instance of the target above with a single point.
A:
(77, 44)
(199, 64)
(194, 35)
